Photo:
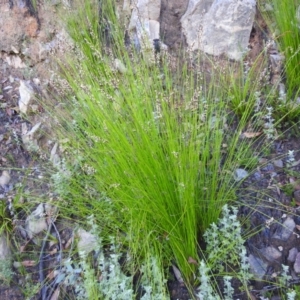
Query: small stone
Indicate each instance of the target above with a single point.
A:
(240, 174)
(257, 267)
(34, 108)
(257, 175)
(271, 253)
(87, 241)
(14, 50)
(273, 174)
(292, 254)
(120, 66)
(15, 62)
(262, 160)
(297, 196)
(4, 179)
(36, 81)
(26, 95)
(36, 221)
(278, 163)
(17, 264)
(285, 231)
(280, 248)
(297, 263)
(268, 168)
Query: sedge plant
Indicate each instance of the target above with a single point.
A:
(285, 28)
(154, 162)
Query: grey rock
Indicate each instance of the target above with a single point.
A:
(36, 222)
(278, 163)
(257, 175)
(219, 27)
(285, 231)
(87, 241)
(297, 264)
(268, 168)
(273, 174)
(297, 195)
(292, 254)
(271, 253)
(257, 267)
(26, 96)
(4, 179)
(240, 174)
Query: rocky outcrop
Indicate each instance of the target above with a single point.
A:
(219, 27)
(213, 26)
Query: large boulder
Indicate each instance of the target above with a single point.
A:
(192, 21)
(219, 26)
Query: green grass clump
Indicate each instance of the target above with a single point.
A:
(283, 18)
(151, 158)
